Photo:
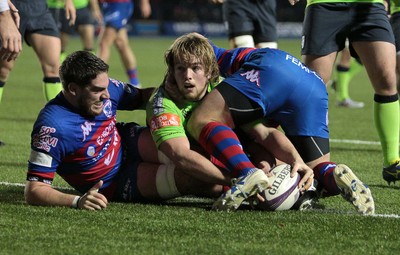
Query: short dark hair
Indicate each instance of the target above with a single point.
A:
(81, 67)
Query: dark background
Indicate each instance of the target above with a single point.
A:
(197, 14)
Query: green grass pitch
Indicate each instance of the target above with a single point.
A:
(186, 225)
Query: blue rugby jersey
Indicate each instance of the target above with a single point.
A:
(82, 150)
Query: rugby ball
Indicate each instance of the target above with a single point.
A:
(283, 192)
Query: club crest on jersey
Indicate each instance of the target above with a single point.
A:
(252, 76)
(91, 151)
(107, 108)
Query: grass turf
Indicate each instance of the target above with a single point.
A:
(185, 225)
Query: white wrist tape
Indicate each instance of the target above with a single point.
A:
(4, 6)
(165, 182)
(75, 202)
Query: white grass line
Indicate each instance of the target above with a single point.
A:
(193, 199)
(12, 184)
(355, 141)
(333, 211)
(23, 185)
(395, 216)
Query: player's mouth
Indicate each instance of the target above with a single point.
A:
(98, 104)
(189, 87)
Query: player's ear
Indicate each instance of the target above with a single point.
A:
(72, 88)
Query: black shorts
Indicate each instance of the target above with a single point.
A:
(327, 25)
(395, 21)
(251, 17)
(242, 109)
(127, 189)
(83, 17)
(35, 18)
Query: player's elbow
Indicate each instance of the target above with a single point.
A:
(29, 198)
(30, 194)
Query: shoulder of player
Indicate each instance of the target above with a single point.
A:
(161, 100)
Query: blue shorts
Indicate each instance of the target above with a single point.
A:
(126, 183)
(36, 19)
(289, 93)
(283, 91)
(117, 15)
(327, 25)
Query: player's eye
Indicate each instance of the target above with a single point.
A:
(197, 68)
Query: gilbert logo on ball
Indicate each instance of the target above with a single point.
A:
(283, 192)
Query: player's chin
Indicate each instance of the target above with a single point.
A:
(96, 109)
(192, 96)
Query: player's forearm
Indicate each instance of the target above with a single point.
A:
(191, 162)
(281, 147)
(37, 193)
(201, 168)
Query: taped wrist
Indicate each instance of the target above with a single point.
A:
(75, 202)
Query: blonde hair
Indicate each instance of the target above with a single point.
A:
(189, 45)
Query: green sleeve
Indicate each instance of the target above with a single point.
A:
(55, 4)
(79, 4)
(164, 117)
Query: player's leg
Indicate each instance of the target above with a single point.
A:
(135, 136)
(398, 69)
(148, 182)
(323, 65)
(86, 33)
(395, 22)
(5, 70)
(161, 182)
(241, 41)
(127, 56)
(239, 23)
(265, 29)
(307, 128)
(106, 40)
(143, 179)
(346, 68)
(321, 39)
(212, 129)
(380, 61)
(64, 43)
(65, 31)
(85, 26)
(333, 178)
(48, 49)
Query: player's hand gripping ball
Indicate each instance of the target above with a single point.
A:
(284, 191)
